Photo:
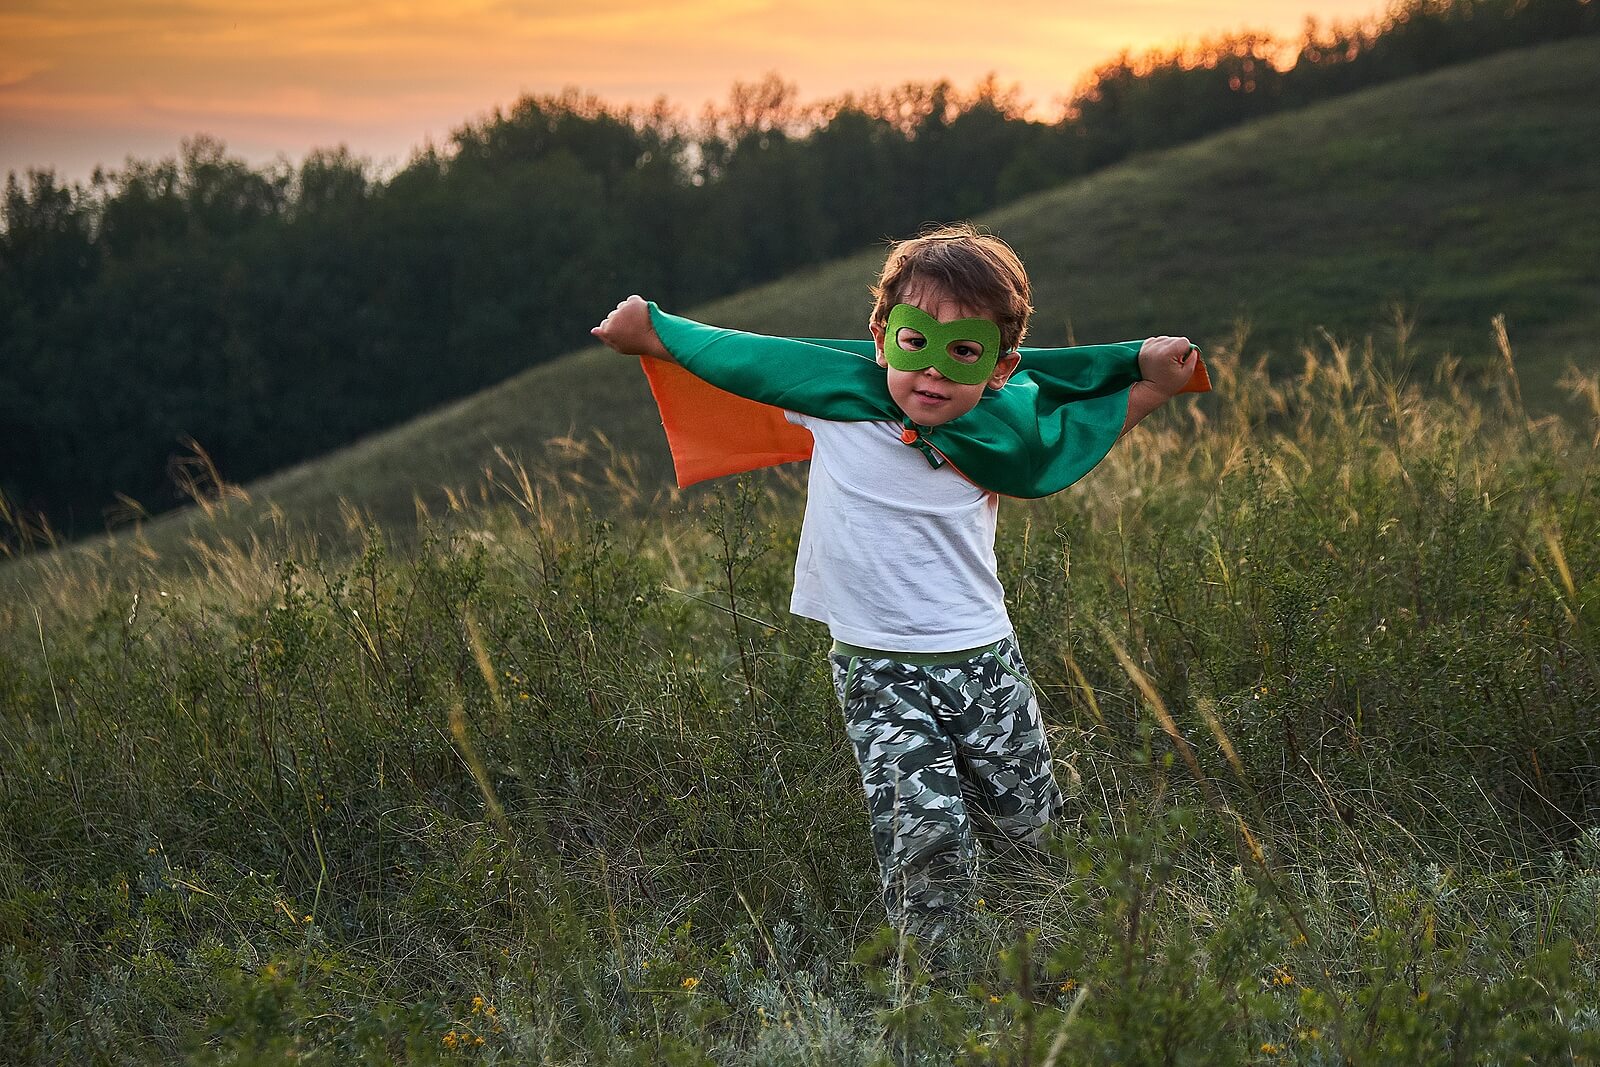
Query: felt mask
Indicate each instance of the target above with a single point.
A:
(965, 351)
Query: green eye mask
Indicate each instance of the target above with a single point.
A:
(944, 344)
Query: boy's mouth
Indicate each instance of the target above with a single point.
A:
(928, 394)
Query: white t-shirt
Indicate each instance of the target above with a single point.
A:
(895, 554)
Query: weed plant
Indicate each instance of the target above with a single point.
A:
(1318, 657)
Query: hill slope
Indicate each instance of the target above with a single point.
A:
(1455, 196)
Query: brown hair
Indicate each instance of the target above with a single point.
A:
(976, 269)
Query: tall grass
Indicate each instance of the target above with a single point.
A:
(566, 783)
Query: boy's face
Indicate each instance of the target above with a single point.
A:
(927, 396)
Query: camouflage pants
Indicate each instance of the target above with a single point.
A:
(941, 747)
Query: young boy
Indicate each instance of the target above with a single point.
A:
(910, 453)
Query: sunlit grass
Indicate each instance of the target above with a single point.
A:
(563, 781)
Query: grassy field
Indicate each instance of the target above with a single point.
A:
(1318, 656)
(1445, 200)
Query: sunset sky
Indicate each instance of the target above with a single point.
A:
(93, 81)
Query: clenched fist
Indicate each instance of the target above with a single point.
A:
(628, 330)
(1167, 363)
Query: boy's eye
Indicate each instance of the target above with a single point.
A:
(966, 351)
(910, 340)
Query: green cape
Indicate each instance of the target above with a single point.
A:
(1056, 418)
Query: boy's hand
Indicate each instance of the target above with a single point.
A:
(1167, 363)
(629, 331)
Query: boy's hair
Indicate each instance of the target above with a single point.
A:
(977, 269)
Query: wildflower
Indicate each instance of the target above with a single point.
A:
(478, 1039)
(1069, 985)
(308, 920)
(1270, 1049)
(451, 1040)
(982, 904)
(993, 999)
(690, 982)
(1283, 978)
(477, 1005)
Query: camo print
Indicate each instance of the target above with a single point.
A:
(940, 748)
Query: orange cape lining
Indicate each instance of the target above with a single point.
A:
(713, 432)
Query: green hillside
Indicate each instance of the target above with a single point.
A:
(1452, 197)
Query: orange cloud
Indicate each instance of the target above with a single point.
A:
(381, 75)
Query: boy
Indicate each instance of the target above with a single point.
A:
(910, 453)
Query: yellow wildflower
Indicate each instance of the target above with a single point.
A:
(477, 1005)
(451, 1040)
(1270, 1049)
(690, 982)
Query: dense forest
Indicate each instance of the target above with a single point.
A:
(274, 313)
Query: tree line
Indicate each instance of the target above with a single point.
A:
(274, 313)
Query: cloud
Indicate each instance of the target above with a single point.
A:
(378, 64)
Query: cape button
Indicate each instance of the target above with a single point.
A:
(908, 436)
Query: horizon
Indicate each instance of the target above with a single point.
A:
(274, 81)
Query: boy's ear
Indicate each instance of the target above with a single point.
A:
(1004, 368)
(877, 338)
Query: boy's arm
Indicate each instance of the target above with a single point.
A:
(629, 330)
(723, 393)
(828, 380)
(1165, 366)
(1062, 412)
